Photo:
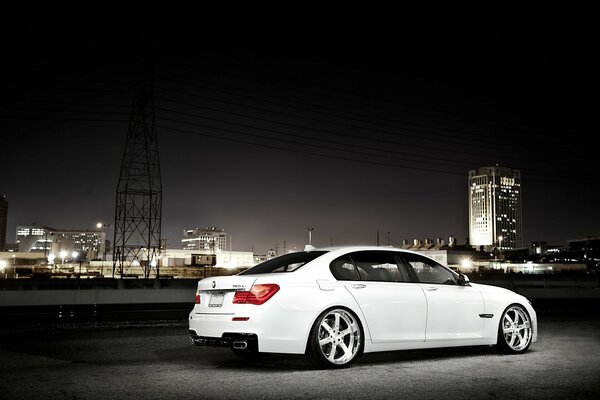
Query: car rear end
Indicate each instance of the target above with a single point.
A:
(254, 311)
(221, 308)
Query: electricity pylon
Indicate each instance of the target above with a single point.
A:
(139, 191)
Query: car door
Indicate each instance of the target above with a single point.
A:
(453, 311)
(394, 309)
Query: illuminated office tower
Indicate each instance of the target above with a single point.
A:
(495, 208)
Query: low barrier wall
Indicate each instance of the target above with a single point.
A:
(29, 292)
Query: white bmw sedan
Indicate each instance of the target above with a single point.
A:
(334, 304)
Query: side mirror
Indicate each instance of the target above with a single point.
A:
(463, 280)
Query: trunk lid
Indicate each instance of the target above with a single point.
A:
(216, 293)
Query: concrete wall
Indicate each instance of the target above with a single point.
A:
(29, 292)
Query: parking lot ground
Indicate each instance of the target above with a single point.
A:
(154, 359)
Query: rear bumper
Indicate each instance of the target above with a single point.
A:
(238, 341)
(277, 330)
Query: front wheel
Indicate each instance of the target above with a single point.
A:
(514, 330)
(335, 340)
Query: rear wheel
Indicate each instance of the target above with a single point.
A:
(514, 330)
(335, 340)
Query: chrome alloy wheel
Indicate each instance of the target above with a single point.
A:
(339, 337)
(516, 329)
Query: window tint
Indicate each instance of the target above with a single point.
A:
(429, 271)
(378, 266)
(285, 263)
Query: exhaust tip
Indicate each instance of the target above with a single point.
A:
(240, 345)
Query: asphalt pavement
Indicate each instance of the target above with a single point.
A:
(155, 360)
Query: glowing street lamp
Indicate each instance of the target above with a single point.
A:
(102, 226)
(75, 255)
(63, 255)
(2, 267)
(466, 263)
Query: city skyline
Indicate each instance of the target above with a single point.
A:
(267, 129)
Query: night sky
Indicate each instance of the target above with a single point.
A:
(272, 120)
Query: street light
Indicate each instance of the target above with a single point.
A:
(3, 267)
(309, 229)
(75, 255)
(153, 264)
(103, 227)
(466, 263)
(63, 255)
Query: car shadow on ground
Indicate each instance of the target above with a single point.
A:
(223, 358)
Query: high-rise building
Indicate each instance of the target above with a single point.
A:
(209, 240)
(495, 219)
(3, 221)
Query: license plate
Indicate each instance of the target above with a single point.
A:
(216, 299)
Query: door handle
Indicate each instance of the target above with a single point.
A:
(431, 289)
(359, 285)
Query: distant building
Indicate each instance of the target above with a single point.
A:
(223, 259)
(209, 240)
(3, 221)
(34, 239)
(450, 254)
(495, 217)
(586, 250)
(90, 244)
(538, 248)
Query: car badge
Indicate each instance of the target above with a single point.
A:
(214, 284)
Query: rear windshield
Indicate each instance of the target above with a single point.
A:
(285, 263)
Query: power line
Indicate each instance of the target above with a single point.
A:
(294, 150)
(378, 152)
(370, 130)
(302, 87)
(403, 130)
(542, 158)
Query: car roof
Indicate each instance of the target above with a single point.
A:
(348, 248)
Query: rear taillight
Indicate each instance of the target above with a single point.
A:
(197, 298)
(258, 294)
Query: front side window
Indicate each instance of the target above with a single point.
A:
(429, 271)
(285, 263)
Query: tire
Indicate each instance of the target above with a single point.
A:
(335, 340)
(514, 330)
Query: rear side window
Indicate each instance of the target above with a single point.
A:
(370, 266)
(285, 263)
(343, 269)
(378, 266)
